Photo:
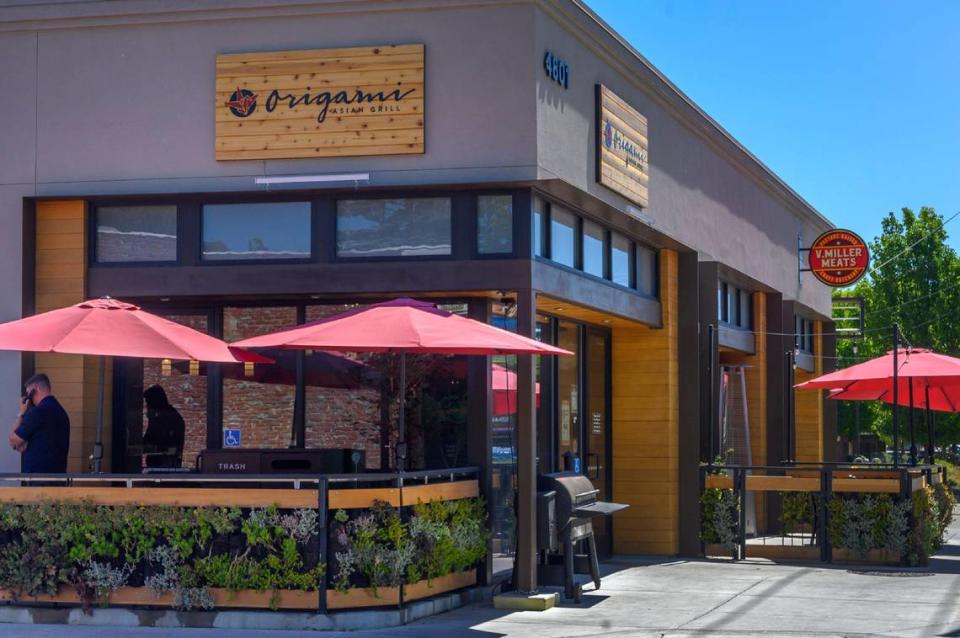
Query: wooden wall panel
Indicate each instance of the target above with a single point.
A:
(646, 426)
(808, 416)
(320, 103)
(61, 280)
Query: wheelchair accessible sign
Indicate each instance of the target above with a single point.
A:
(231, 438)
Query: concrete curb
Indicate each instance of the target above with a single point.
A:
(338, 621)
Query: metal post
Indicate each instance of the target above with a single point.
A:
(913, 438)
(402, 421)
(703, 488)
(930, 433)
(97, 455)
(826, 487)
(711, 331)
(740, 479)
(896, 396)
(322, 540)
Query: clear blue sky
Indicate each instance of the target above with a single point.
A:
(855, 104)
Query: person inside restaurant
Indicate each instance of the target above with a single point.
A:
(163, 440)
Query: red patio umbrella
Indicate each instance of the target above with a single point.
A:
(111, 328)
(504, 386)
(402, 326)
(914, 377)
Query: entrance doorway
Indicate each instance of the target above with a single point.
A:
(574, 412)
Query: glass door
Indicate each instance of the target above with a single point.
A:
(568, 398)
(596, 425)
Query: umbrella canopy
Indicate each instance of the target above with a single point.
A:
(918, 369)
(504, 386)
(112, 328)
(922, 379)
(402, 325)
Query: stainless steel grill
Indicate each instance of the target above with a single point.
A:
(566, 503)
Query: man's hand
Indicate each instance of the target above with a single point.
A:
(17, 443)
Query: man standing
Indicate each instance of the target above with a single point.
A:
(41, 432)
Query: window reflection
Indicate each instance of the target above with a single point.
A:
(563, 236)
(494, 224)
(274, 230)
(393, 227)
(594, 248)
(136, 233)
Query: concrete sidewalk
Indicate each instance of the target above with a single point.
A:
(680, 598)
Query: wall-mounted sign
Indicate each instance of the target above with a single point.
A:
(622, 164)
(556, 69)
(320, 103)
(839, 258)
(231, 438)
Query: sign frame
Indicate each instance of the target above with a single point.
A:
(621, 147)
(853, 273)
(312, 103)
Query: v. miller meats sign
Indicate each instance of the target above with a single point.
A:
(839, 258)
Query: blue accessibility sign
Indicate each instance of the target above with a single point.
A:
(231, 438)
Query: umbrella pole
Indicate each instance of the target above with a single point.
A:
(98, 443)
(401, 427)
(913, 438)
(896, 398)
(929, 426)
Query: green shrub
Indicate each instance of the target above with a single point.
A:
(97, 548)
(720, 517)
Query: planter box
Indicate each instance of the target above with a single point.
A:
(441, 585)
(359, 597)
(142, 596)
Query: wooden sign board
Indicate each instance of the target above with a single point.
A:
(621, 143)
(320, 103)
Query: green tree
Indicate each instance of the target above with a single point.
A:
(915, 283)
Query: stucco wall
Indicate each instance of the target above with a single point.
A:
(698, 196)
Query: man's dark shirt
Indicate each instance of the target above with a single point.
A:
(46, 429)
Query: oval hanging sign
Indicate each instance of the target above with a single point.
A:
(839, 258)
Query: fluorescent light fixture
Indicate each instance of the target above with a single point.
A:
(313, 179)
(640, 215)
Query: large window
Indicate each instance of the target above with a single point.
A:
(804, 334)
(393, 227)
(647, 270)
(563, 236)
(276, 230)
(735, 306)
(594, 248)
(620, 248)
(539, 222)
(494, 224)
(136, 233)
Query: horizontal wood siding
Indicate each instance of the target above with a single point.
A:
(61, 279)
(808, 416)
(645, 427)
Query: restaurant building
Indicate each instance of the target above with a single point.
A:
(244, 167)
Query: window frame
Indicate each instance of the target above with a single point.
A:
(475, 224)
(263, 262)
(93, 236)
(732, 301)
(454, 227)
